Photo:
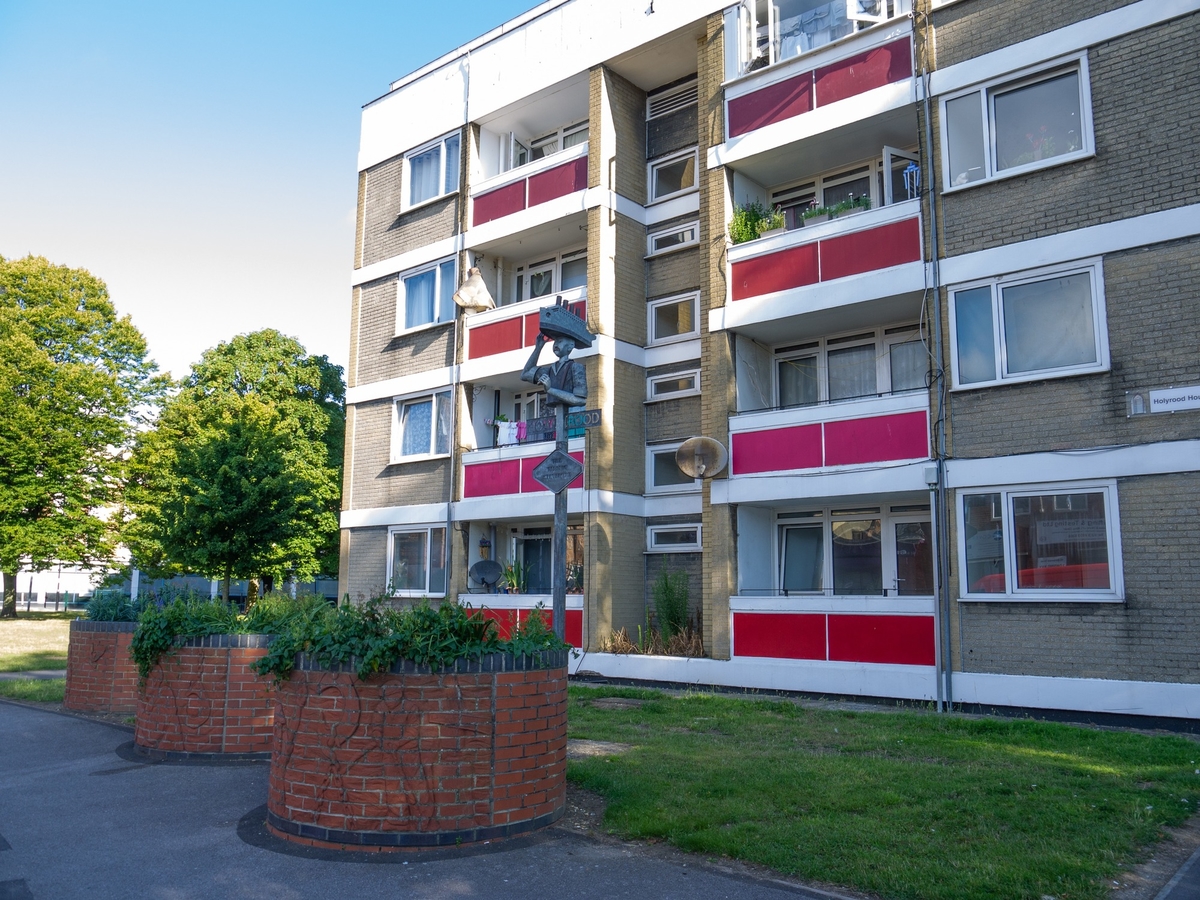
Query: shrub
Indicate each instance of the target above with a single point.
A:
(671, 602)
(751, 220)
(113, 606)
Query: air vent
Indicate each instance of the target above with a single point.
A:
(670, 100)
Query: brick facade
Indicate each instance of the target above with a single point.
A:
(101, 676)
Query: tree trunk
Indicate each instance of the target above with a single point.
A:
(9, 610)
(225, 583)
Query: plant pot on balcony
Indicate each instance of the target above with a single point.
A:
(101, 676)
(419, 756)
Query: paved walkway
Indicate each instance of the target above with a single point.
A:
(38, 674)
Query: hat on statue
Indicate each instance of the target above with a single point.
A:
(557, 321)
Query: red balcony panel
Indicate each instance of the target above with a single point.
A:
(579, 308)
(532, 326)
(559, 181)
(898, 640)
(774, 103)
(877, 439)
(497, 337)
(503, 201)
(871, 249)
(779, 635)
(491, 478)
(529, 484)
(777, 449)
(505, 619)
(790, 268)
(864, 72)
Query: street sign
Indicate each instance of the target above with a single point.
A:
(542, 429)
(588, 418)
(557, 471)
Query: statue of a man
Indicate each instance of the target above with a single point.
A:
(565, 380)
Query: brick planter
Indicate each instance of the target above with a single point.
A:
(418, 757)
(100, 675)
(204, 701)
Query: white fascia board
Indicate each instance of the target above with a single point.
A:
(425, 109)
(419, 514)
(649, 357)
(416, 383)
(1063, 41)
(798, 603)
(1100, 695)
(515, 507)
(514, 361)
(1166, 458)
(1110, 237)
(688, 204)
(691, 504)
(865, 480)
(518, 601)
(408, 260)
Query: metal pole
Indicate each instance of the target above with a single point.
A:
(558, 553)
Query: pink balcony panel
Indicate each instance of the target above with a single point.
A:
(779, 635)
(777, 449)
(497, 337)
(558, 182)
(790, 268)
(877, 439)
(490, 478)
(773, 103)
(898, 640)
(871, 249)
(529, 484)
(503, 201)
(506, 620)
(864, 72)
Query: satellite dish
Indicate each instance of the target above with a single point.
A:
(701, 457)
(474, 296)
(487, 572)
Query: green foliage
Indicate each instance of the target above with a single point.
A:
(861, 202)
(74, 384)
(514, 577)
(34, 690)
(751, 220)
(671, 601)
(113, 606)
(372, 637)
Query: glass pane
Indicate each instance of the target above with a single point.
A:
(851, 372)
(408, 561)
(437, 561)
(575, 138)
(574, 273)
(442, 438)
(452, 163)
(674, 538)
(983, 533)
(575, 561)
(914, 558)
(541, 283)
(847, 190)
(1061, 541)
(674, 177)
(418, 299)
(803, 558)
(973, 329)
(1038, 121)
(424, 177)
(964, 139)
(857, 557)
(804, 25)
(909, 364)
(674, 239)
(667, 473)
(674, 385)
(446, 289)
(543, 147)
(674, 319)
(415, 423)
(1048, 324)
(535, 555)
(798, 381)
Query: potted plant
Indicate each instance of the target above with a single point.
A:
(514, 578)
(753, 220)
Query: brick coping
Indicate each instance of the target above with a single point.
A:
(89, 625)
(335, 839)
(489, 663)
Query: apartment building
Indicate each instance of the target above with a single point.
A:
(959, 388)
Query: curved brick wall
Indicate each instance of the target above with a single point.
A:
(204, 700)
(420, 758)
(100, 675)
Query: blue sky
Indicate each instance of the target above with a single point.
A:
(201, 158)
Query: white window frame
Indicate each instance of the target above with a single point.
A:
(1014, 594)
(676, 299)
(653, 450)
(559, 136)
(395, 530)
(654, 165)
(652, 397)
(544, 263)
(820, 348)
(398, 405)
(652, 531)
(693, 241)
(988, 90)
(446, 189)
(440, 316)
(1094, 267)
(749, 24)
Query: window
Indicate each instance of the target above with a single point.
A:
(892, 178)
(673, 319)
(432, 170)
(553, 275)
(673, 239)
(677, 384)
(673, 175)
(426, 296)
(673, 538)
(775, 30)
(662, 473)
(867, 364)
(1032, 326)
(531, 546)
(421, 428)
(1051, 542)
(876, 551)
(1014, 126)
(417, 562)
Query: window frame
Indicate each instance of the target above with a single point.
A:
(690, 547)
(693, 227)
(651, 380)
(406, 201)
(428, 530)
(543, 263)
(1015, 594)
(398, 405)
(674, 299)
(439, 314)
(653, 450)
(653, 165)
(988, 90)
(881, 338)
(1094, 267)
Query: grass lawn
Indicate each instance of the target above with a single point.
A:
(38, 690)
(906, 804)
(35, 640)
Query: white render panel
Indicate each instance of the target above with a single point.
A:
(866, 480)
(1132, 698)
(433, 106)
(1165, 458)
(419, 514)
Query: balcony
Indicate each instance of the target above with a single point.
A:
(508, 471)
(532, 185)
(507, 610)
(511, 328)
(882, 638)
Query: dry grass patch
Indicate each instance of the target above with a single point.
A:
(35, 641)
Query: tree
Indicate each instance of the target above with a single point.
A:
(242, 475)
(74, 384)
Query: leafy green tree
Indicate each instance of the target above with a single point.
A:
(74, 384)
(242, 475)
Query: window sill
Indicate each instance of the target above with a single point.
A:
(422, 457)
(671, 250)
(1038, 598)
(404, 210)
(674, 339)
(1018, 171)
(676, 396)
(1044, 375)
(416, 329)
(665, 197)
